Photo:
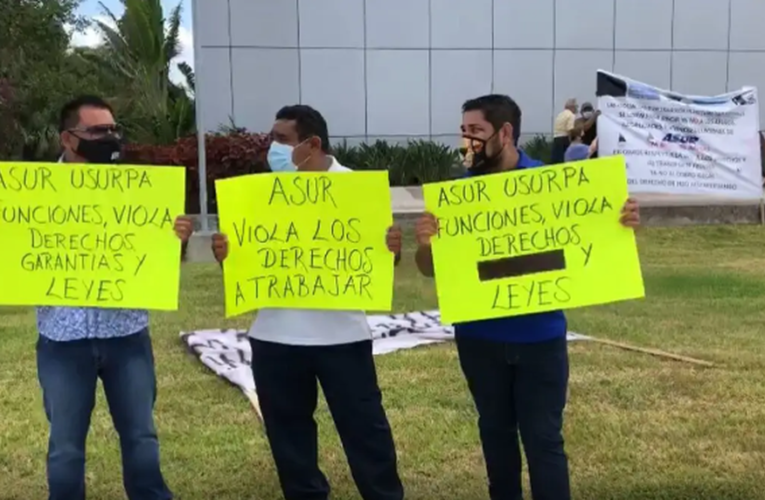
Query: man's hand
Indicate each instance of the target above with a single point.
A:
(220, 247)
(594, 147)
(393, 239)
(425, 229)
(630, 213)
(184, 228)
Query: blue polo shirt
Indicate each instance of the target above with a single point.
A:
(518, 329)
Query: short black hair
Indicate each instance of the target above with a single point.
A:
(308, 123)
(497, 109)
(70, 113)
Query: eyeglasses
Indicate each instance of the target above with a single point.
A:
(100, 130)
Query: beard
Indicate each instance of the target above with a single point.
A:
(483, 163)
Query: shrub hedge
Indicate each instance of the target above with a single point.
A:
(413, 163)
(228, 155)
(241, 153)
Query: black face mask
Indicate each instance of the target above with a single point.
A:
(105, 150)
(483, 163)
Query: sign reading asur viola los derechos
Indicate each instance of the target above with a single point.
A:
(307, 240)
(681, 144)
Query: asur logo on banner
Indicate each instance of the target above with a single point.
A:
(744, 100)
(684, 141)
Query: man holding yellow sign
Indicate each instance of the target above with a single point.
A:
(307, 247)
(94, 244)
(510, 246)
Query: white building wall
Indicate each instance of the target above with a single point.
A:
(399, 69)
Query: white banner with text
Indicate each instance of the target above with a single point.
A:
(681, 144)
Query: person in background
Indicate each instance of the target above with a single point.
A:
(594, 149)
(564, 122)
(577, 150)
(516, 367)
(77, 346)
(293, 348)
(589, 123)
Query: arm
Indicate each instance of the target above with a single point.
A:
(424, 260)
(426, 228)
(220, 247)
(630, 216)
(594, 147)
(394, 241)
(587, 125)
(184, 228)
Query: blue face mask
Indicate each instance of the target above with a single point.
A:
(280, 157)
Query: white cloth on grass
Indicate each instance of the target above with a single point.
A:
(227, 352)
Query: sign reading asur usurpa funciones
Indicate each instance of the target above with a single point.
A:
(534, 240)
(90, 235)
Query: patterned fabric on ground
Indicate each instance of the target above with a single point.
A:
(227, 352)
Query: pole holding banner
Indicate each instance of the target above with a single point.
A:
(201, 145)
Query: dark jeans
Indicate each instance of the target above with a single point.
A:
(559, 147)
(520, 387)
(285, 378)
(68, 373)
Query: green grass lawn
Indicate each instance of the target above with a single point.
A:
(637, 427)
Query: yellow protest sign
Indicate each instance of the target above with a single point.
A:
(533, 240)
(90, 235)
(306, 240)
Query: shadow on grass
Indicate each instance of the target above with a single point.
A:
(710, 285)
(665, 491)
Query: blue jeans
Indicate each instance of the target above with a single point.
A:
(520, 388)
(68, 373)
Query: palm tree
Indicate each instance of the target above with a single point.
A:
(188, 74)
(139, 48)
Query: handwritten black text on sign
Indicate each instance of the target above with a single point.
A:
(327, 256)
(68, 239)
(529, 237)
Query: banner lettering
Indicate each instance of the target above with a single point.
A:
(680, 144)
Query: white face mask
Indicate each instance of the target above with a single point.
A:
(586, 114)
(280, 157)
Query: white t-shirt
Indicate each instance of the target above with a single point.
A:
(311, 326)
